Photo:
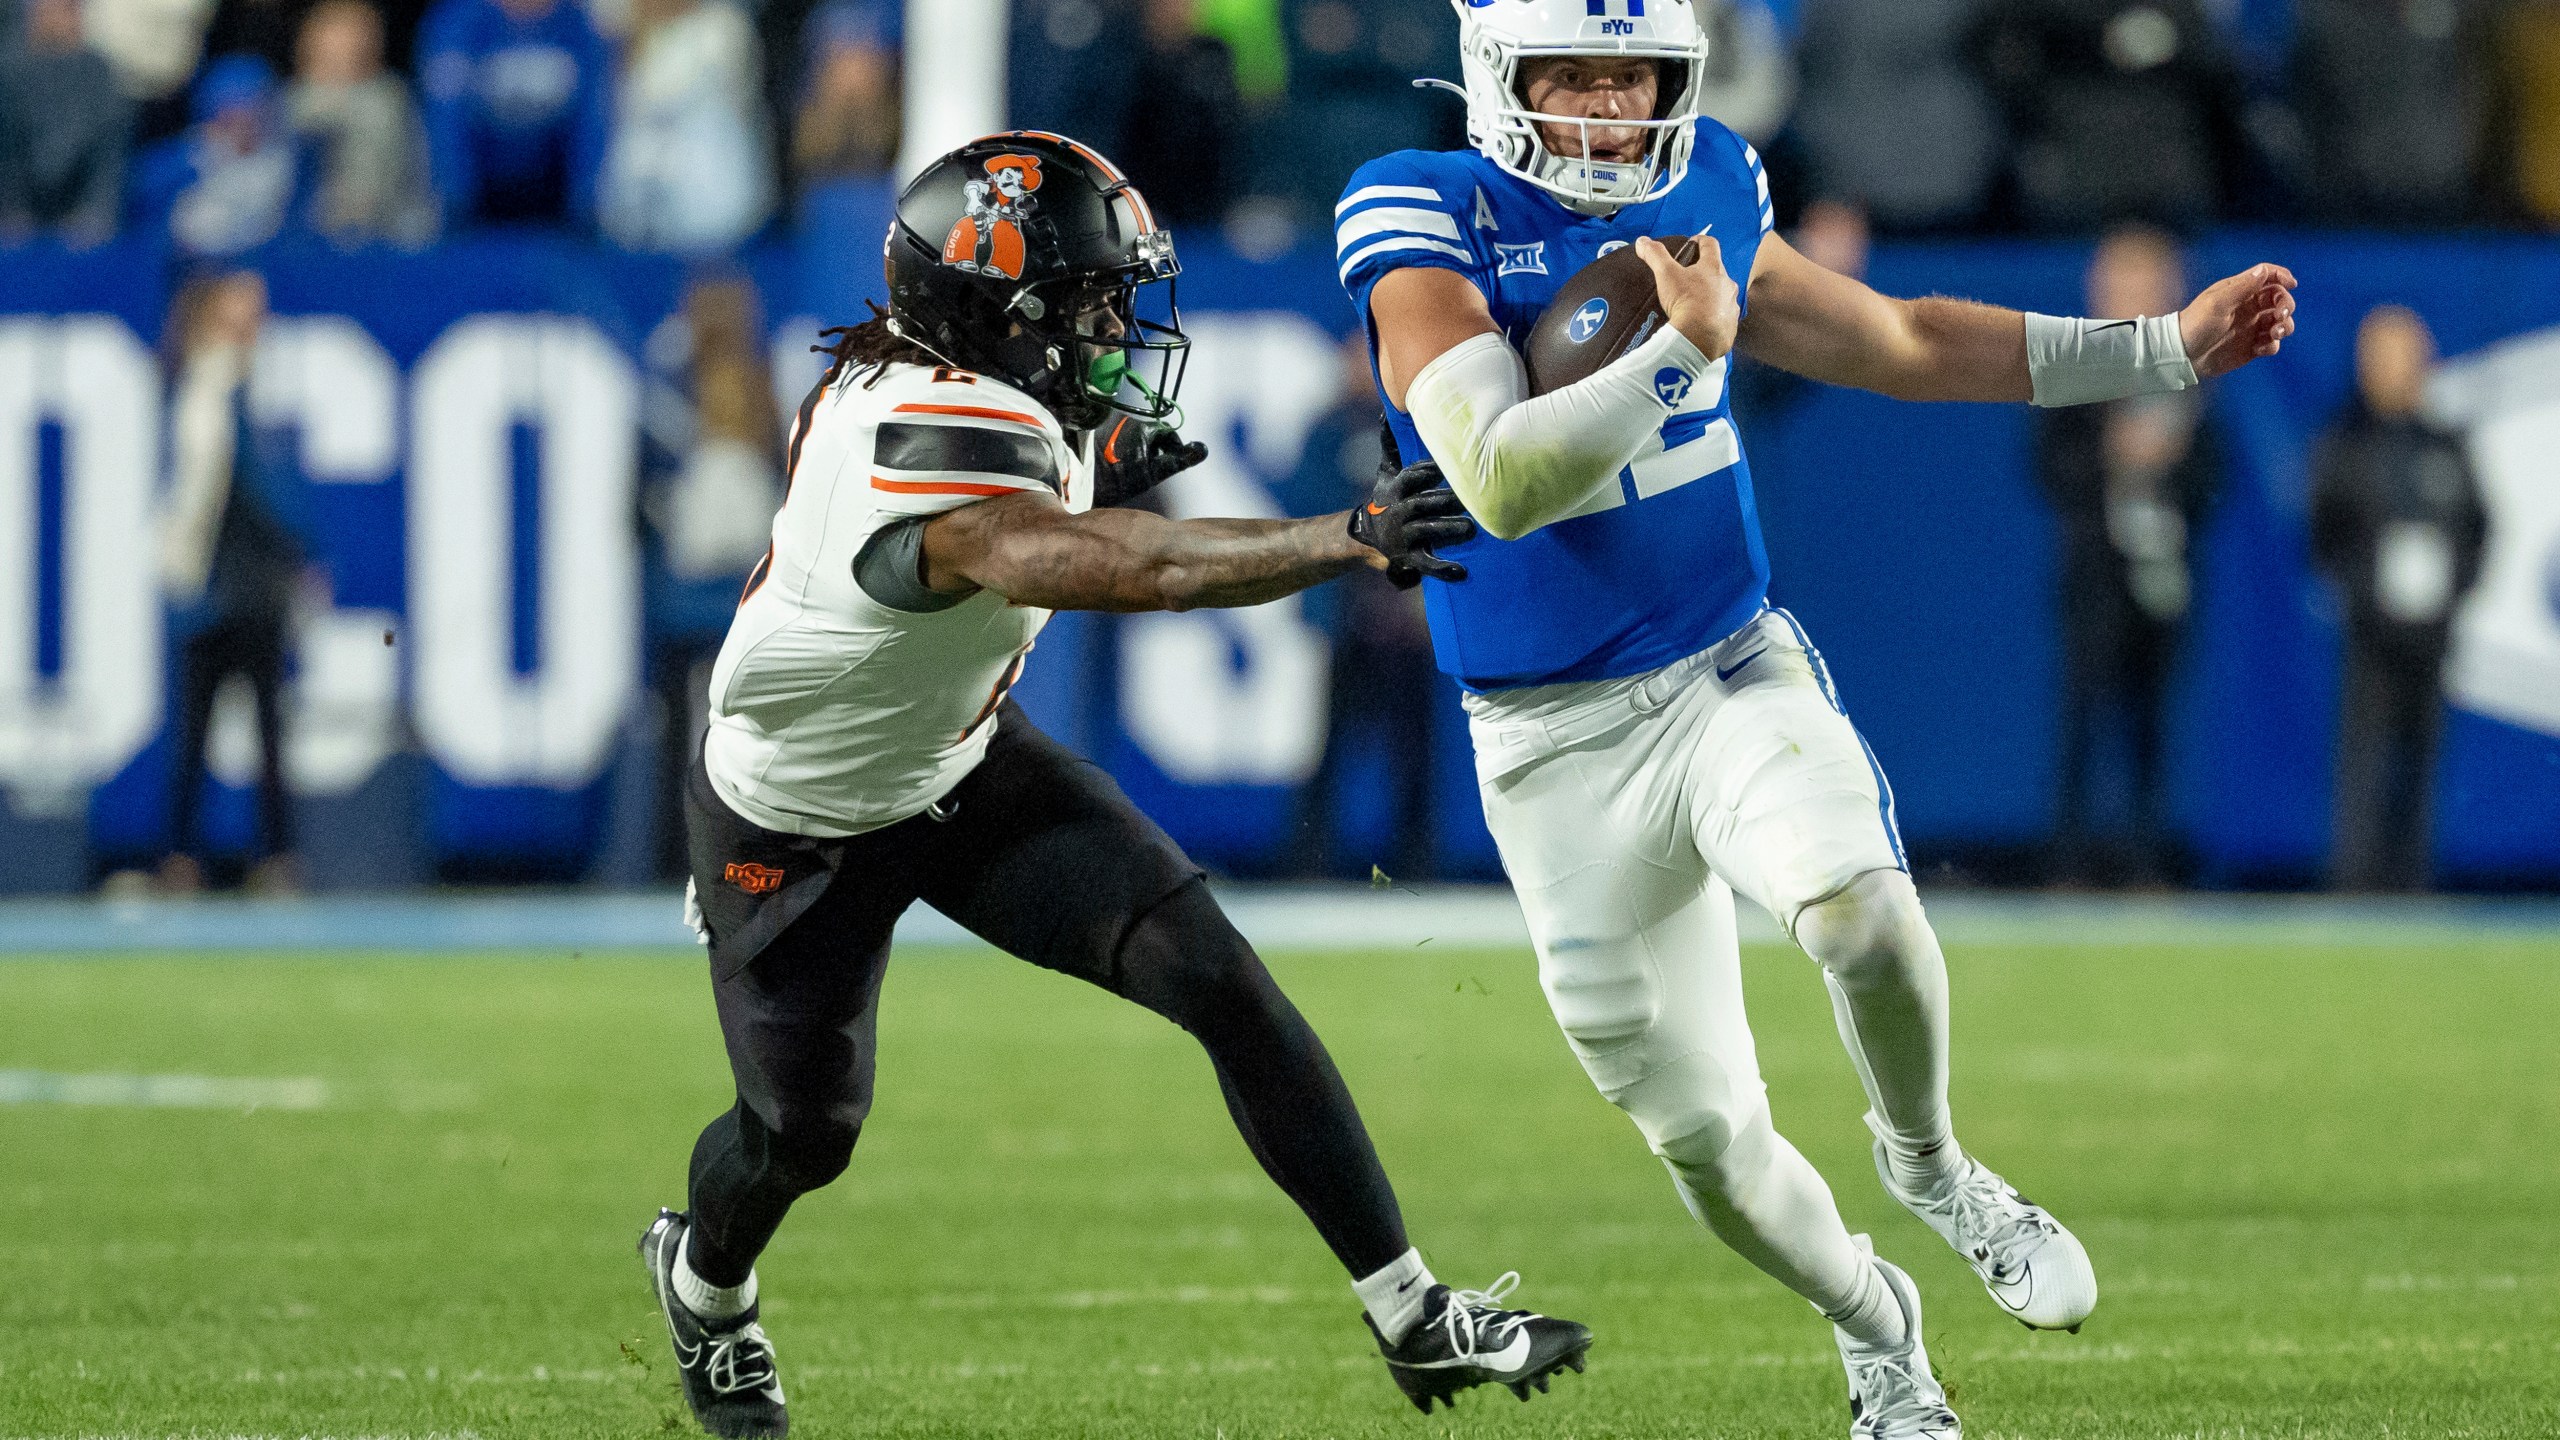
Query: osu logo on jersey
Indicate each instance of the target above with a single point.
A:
(987, 240)
(753, 878)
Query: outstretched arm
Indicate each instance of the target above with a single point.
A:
(1030, 550)
(1824, 326)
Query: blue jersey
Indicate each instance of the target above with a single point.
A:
(1669, 560)
(518, 110)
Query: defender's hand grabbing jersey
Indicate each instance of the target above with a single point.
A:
(1666, 561)
(837, 708)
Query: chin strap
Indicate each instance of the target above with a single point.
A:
(921, 343)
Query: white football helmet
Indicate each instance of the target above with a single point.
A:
(1495, 36)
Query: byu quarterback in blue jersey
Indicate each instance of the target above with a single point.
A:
(1670, 559)
(1651, 739)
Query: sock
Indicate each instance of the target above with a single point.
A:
(706, 1300)
(1919, 1169)
(1394, 1293)
(1872, 1317)
(1888, 983)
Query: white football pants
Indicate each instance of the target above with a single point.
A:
(1628, 812)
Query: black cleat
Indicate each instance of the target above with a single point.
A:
(1466, 1339)
(729, 1374)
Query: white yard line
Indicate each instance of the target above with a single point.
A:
(162, 1092)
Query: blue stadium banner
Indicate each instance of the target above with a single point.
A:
(470, 690)
(467, 420)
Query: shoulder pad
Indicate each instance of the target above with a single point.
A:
(1411, 207)
(941, 392)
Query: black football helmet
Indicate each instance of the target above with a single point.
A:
(1022, 256)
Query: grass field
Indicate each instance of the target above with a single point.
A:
(2322, 1189)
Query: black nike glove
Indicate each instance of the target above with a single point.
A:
(1135, 456)
(1409, 514)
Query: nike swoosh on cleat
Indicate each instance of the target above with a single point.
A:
(1509, 1357)
(1724, 673)
(2024, 1288)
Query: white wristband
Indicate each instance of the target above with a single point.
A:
(2081, 362)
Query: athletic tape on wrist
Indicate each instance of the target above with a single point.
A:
(2074, 361)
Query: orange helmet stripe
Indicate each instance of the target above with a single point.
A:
(1137, 198)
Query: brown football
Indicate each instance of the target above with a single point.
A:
(1607, 309)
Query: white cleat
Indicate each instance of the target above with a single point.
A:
(2035, 1270)
(1893, 1395)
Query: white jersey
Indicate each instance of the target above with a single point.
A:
(834, 711)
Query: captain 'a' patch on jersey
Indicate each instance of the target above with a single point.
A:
(848, 696)
(1649, 570)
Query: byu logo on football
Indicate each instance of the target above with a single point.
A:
(1586, 322)
(1670, 385)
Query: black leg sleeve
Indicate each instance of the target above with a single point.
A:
(1184, 961)
(1045, 858)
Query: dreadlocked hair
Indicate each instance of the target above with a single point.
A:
(871, 345)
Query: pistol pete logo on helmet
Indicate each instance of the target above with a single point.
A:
(987, 240)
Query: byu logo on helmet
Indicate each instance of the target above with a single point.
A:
(1613, 8)
(1586, 322)
(1671, 386)
(1495, 40)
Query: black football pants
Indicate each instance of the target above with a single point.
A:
(1042, 856)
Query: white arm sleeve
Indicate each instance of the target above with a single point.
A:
(2081, 362)
(1519, 463)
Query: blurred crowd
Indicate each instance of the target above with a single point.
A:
(687, 126)
(651, 124)
(691, 126)
(2398, 527)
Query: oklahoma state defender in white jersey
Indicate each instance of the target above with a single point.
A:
(849, 695)
(953, 480)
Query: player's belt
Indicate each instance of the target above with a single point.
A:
(1512, 734)
(1505, 742)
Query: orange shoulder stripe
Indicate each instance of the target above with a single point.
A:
(973, 412)
(947, 487)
